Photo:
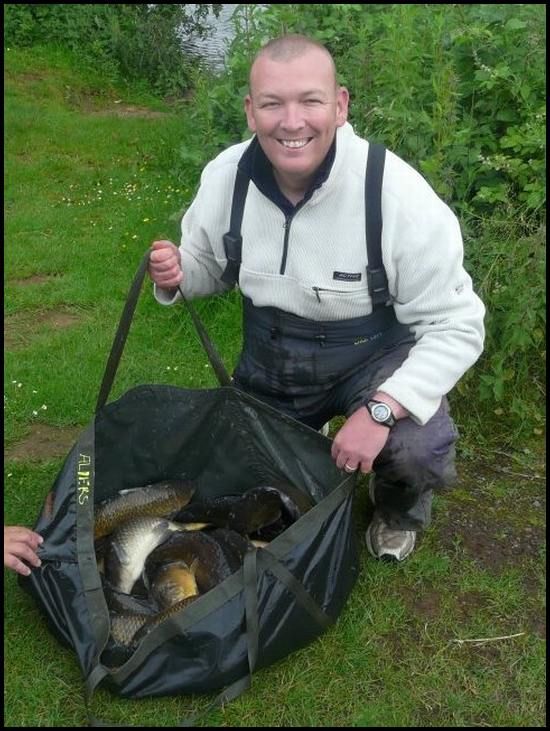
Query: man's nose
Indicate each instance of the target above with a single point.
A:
(293, 117)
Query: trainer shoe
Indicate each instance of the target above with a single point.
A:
(386, 543)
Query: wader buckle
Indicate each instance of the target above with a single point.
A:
(378, 286)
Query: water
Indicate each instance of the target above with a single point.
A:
(213, 48)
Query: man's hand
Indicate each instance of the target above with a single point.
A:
(165, 264)
(359, 442)
(20, 545)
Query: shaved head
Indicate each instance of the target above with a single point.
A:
(289, 47)
(295, 107)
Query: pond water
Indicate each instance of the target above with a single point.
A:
(212, 49)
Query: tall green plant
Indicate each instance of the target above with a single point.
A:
(130, 41)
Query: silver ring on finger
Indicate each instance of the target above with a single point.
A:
(349, 468)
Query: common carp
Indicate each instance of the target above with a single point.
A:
(161, 499)
(174, 582)
(154, 621)
(124, 626)
(214, 562)
(233, 544)
(131, 543)
(293, 502)
(244, 513)
(135, 603)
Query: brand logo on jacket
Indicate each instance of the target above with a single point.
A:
(347, 276)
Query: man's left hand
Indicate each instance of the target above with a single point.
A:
(359, 442)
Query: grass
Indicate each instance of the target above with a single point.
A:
(86, 193)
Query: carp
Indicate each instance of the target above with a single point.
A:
(131, 543)
(161, 499)
(174, 582)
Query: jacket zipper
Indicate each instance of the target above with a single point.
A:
(325, 289)
(286, 226)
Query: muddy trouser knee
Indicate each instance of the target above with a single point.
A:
(416, 460)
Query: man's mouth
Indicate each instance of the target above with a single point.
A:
(295, 144)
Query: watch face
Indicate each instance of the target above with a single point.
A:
(380, 412)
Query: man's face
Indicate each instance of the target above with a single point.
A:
(294, 108)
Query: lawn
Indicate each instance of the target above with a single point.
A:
(453, 637)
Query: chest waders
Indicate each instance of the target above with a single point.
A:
(284, 354)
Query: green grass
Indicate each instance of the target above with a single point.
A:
(392, 659)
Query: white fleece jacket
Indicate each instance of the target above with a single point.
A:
(422, 252)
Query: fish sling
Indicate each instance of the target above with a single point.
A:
(282, 597)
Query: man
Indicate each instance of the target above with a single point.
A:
(320, 337)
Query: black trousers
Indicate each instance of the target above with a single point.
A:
(415, 461)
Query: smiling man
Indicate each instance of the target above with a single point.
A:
(355, 299)
(295, 107)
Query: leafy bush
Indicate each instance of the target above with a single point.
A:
(134, 42)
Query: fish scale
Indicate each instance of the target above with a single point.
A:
(161, 617)
(174, 582)
(160, 499)
(130, 545)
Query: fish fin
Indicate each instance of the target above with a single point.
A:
(123, 558)
(259, 544)
(190, 526)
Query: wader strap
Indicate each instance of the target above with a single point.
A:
(376, 274)
(232, 240)
(377, 281)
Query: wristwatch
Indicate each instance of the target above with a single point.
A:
(381, 413)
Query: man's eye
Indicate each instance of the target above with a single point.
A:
(313, 102)
(269, 105)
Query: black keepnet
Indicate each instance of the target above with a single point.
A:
(283, 597)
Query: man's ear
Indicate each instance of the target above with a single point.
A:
(342, 102)
(249, 113)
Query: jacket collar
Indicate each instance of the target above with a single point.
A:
(255, 164)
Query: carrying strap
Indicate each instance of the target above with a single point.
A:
(232, 240)
(252, 560)
(376, 274)
(122, 333)
(213, 356)
(377, 280)
(124, 327)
